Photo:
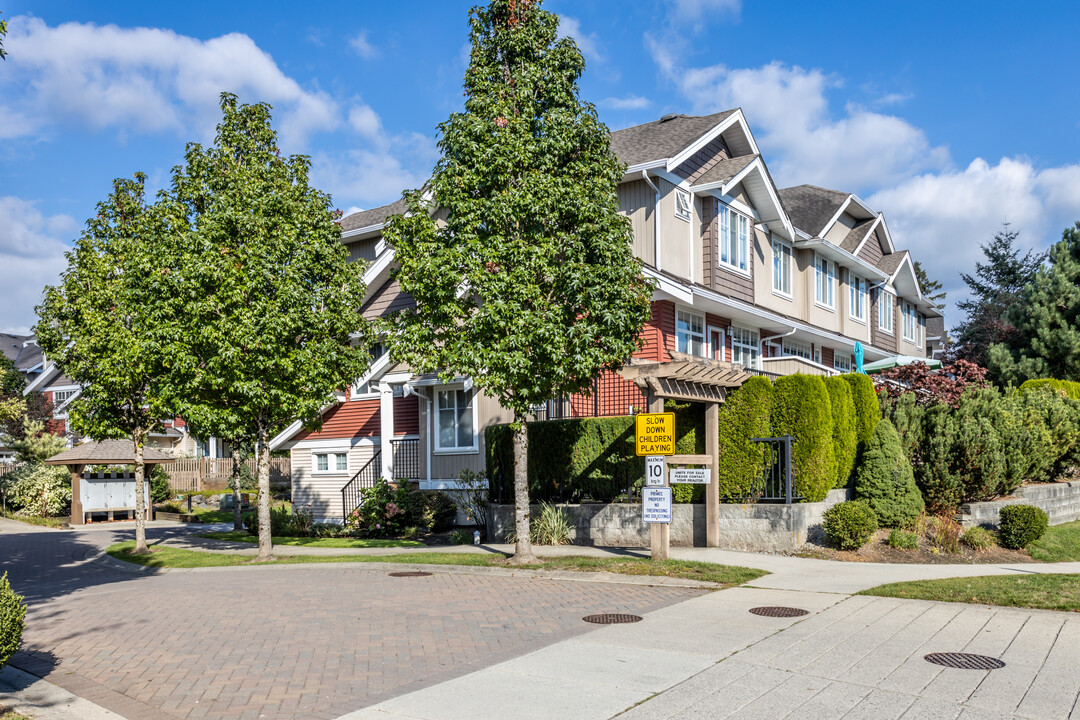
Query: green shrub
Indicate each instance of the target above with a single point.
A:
(159, 485)
(684, 493)
(978, 538)
(551, 526)
(461, 537)
(170, 507)
(801, 408)
(432, 508)
(39, 490)
(12, 620)
(1021, 525)
(867, 410)
(473, 497)
(1055, 417)
(744, 415)
(885, 479)
(845, 440)
(281, 522)
(945, 533)
(908, 417)
(1066, 387)
(903, 539)
(850, 525)
(384, 511)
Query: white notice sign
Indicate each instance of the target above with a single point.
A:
(690, 476)
(656, 505)
(654, 470)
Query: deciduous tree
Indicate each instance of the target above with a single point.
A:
(527, 282)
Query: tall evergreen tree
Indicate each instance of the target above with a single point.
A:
(931, 289)
(1046, 342)
(527, 283)
(995, 288)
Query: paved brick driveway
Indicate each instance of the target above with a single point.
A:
(281, 642)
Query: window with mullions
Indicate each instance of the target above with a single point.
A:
(908, 311)
(745, 347)
(331, 462)
(734, 238)
(796, 348)
(824, 281)
(841, 361)
(455, 418)
(690, 333)
(781, 267)
(683, 205)
(885, 312)
(857, 288)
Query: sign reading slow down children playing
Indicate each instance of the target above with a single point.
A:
(655, 433)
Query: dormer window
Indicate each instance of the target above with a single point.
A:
(734, 238)
(683, 206)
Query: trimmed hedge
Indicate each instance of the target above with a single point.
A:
(867, 409)
(1021, 525)
(12, 620)
(801, 408)
(850, 524)
(885, 480)
(744, 415)
(845, 441)
(1068, 387)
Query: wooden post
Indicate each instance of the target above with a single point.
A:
(659, 533)
(77, 517)
(712, 492)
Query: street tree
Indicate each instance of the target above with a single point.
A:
(266, 325)
(1046, 342)
(516, 254)
(99, 326)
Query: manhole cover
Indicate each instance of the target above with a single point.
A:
(410, 573)
(774, 611)
(964, 661)
(611, 618)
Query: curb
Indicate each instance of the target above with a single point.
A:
(24, 692)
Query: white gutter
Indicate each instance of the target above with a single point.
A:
(656, 218)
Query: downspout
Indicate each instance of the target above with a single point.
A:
(777, 337)
(656, 218)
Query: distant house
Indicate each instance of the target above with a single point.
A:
(25, 353)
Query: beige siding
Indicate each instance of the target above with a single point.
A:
(763, 281)
(819, 315)
(849, 326)
(447, 467)
(792, 366)
(840, 229)
(386, 300)
(362, 249)
(676, 236)
(323, 492)
(881, 339)
(635, 201)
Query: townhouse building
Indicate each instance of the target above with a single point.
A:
(779, 280)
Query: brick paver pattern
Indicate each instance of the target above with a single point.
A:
(278, 642)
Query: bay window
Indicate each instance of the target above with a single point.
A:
(796, 348)
(841, 361)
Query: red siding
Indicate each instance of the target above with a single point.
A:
(407, 415)
(827, 356)
(659, 332)
(358, 418)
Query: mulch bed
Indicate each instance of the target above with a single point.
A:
(879, 551)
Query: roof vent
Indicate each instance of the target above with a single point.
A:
(669, 116)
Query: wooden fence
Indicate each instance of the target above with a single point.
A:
(5, 468)
(194, 474)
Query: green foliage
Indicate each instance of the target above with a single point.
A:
(11, 380)
(931, 289)
(743, 416)
(850, 525)
(461, 537)
(886, 481)
(551, 526)
(845, 439)
(12, 621)
(159, 485)
(1021, 524)
(903, 539)
(945, 534)
(867, 410)
(801, 408)
(979, 538)
(3, 56)
(37, 445)
(39, 490)
(384, 512)
(171, 507)
(434, 509)
(473, 497)
(1065, 387)
(690, 440)
(281, 522)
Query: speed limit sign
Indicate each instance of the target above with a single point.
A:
(655, 470)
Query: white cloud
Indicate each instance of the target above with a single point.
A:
(588, 43)
(362, 46)
(146, 79)
(686, 11)
(32, 248)
(365, 121)
(630, 102)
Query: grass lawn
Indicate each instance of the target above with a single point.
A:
(1044, 592)
(12, 715)
(722, 575)
(1061, 543)
(243, 536)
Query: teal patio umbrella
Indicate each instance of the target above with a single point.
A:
(898, 360)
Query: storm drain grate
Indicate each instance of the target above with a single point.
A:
(611, 618)
(964, 661)
(777, 611)
(410, 573)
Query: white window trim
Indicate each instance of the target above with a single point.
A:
(891, 314)
(831, 277)
(862, 297)
(837, 354)
(709, 330)
(756, 346)
(791, 269)
(331, 465)
(60, 409)
(704, 330)
(683, 195)
(786, 343)
(904, 315)
(434, 409)
(725, 264)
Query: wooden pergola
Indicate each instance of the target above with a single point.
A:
(106, 452)
(690, 379)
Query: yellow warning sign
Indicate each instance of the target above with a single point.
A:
(655, 433)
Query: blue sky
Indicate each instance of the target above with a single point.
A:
(951, 117)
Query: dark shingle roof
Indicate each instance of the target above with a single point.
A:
(810, 206)
(890, 262)
(107, 452)
(855, 236)
(661, 140)
(374, 216)
(16, 349)
(725, 170)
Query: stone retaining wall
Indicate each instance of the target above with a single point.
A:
(1061, 501)
(757, 527)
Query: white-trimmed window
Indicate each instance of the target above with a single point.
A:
(841, 361)
(824, 281)
(921, 330)
(910, 320)
(690, 333)
(797, 348)
(817, 354)
(61, 396)
(781, 267)
(330, 462)
(857, 288)
(455, 420)
(683, 205)
(734, 238)
(885, 311)
(745, 347)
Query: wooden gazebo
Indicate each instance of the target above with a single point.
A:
(114, 494)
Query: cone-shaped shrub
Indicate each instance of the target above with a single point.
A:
(867, 409)
(885, 479)
(12, 617)
(845, 441)
(801, 408)
(744, 415)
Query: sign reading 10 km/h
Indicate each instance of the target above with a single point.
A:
(655, 433)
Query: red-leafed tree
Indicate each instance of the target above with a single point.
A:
(933, 386)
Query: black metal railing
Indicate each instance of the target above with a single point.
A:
(352, 495)
(406, 458)
(775, 483)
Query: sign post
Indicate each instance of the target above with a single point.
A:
(654, 435)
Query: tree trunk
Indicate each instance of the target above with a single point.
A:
(523, 552)
(138, 438)
(266, 545)
(237, 522)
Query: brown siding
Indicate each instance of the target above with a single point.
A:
(718, 276)
(362, 249)
(406, 415)
(879, 338)
(659, 332)
(827, 356)
(871, 249)
(710, 250)
(387, 299)
(703, 159)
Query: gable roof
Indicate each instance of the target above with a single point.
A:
(855, 237)
(108, 452)
(724, 170)
(26, 355)
(663, 139)
(374, 216)
(811, 207)
(891, 263)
